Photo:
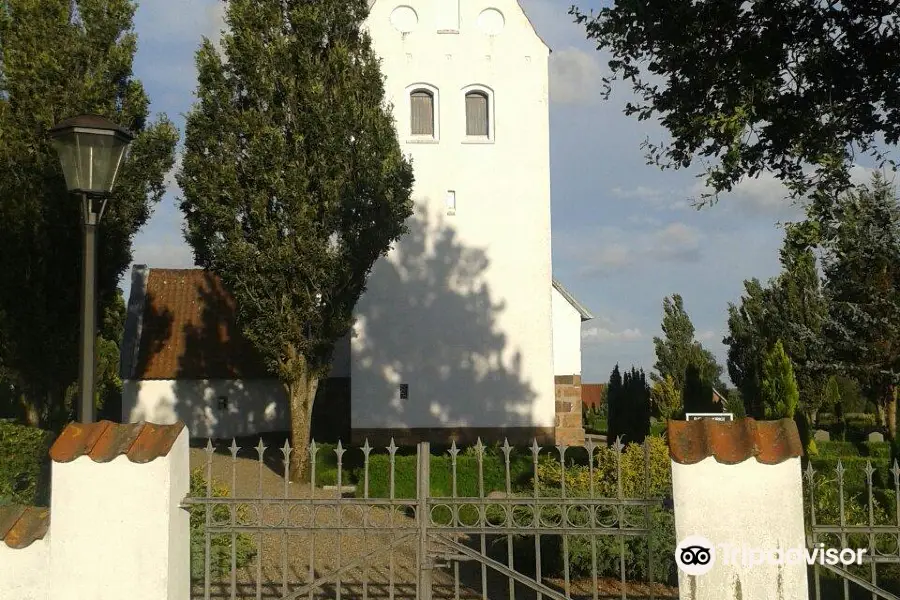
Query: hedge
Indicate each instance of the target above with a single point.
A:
(24, 464)
(493, 467)
(855, 471)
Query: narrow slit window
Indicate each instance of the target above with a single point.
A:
(422, 113)
(477, 124)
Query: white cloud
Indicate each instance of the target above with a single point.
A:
(164, 254)
(576, 77)
(602, 334)
(172, 185)
(766, 196)
(176, 20)
(215, 15)
(641, 192)
(707, 336)
(642, 219)
(611, 257)
(612, 249)
(658, 198)
(675, 242)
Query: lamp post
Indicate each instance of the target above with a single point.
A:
(91, 150)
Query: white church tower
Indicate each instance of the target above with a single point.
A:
(454, 335)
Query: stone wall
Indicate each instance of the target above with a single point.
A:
(569, 428)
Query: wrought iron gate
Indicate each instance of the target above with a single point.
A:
(846, 509)
(428, 546)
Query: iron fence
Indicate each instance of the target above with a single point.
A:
(580, 535)
(859, 509)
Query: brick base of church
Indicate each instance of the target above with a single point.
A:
(569, 428)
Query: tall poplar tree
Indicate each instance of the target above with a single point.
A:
(293, 181)
(677, 350)
(60, 58)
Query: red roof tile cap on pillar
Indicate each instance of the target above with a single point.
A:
(104, 441)
(20, 526)
(733, 442)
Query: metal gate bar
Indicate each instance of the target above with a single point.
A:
(438, 545)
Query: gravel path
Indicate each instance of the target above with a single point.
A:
(282, 563)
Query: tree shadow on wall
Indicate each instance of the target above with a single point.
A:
(428, 316)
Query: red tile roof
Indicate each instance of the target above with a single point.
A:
(20, 526)
(732, 442)
(189, 330)
(592, 394)
(104, 441)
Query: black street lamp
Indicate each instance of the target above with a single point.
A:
(91, 150)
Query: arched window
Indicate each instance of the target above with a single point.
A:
(421, 114)
(477, 114)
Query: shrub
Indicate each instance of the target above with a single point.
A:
(24, 464)
(220, 543)
(877, 449)
(634, 484)
(837, 448)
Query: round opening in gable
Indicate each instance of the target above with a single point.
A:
(491, 21)
(404, 19)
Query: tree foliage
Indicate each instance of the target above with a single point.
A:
(832, 395)
(294, 183)
(59, 59)
(677, 350)
(790, 308)
(697, 395)
(666, 398)
(629, 407)
(781, 86)
(780, 395)
(862, 271)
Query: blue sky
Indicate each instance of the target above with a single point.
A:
(624, 233)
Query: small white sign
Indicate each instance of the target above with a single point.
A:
(713, 416)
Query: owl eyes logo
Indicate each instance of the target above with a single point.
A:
(695, 555)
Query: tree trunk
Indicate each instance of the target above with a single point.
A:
(302, 395)
(890, 410)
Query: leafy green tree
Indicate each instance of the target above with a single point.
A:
(862, 273)
(677, 349)
(58, 59)
(801, 310)
(832, 394)
(616, 413)
(780, 396)
(294, 183)
(749, 331)
(791, 308)
(764, 98)
(666, 398)
(634, 408)
(734, 404)
(697, 395)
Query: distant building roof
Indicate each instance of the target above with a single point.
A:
(181, 324)
(592, 394)
(584, 312)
